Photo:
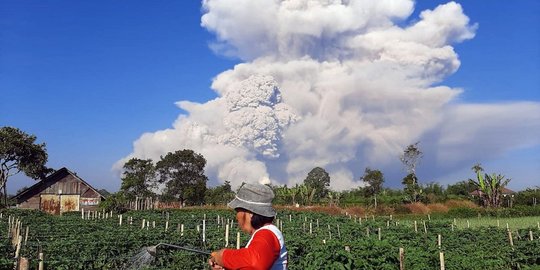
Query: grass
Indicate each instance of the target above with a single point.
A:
(462, 223)
(512, 223)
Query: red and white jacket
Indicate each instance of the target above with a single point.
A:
(265, 250)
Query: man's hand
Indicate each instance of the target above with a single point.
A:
(216, 260)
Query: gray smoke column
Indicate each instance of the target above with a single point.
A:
(336, 84)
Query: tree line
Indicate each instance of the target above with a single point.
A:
(179, 176)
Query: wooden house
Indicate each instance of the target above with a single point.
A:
(60, 192)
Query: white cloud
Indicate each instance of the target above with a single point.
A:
(336, 84)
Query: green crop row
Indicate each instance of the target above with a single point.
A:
(314, 241)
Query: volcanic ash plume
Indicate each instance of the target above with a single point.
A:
(336, 84)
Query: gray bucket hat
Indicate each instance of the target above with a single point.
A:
(256, 198)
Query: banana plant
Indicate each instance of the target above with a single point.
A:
(490, 188)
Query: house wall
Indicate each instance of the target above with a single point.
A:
(67, 187)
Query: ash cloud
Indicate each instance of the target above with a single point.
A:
(336, 84)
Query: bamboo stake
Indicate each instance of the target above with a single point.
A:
(329, 233)
(401, 259)
(510, 239)
(26, 236)
(379, 231)
(226, 235)
(23, 263)
(18, 250)
(204, 230)
(441, 258)
(41, 263)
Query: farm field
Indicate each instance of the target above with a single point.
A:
(314, 240)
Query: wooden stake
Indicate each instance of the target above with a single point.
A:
(425, 228)
(238, 240)
(439, 241)
(415, 227)
(379, 234)
(401, 259)
(530, 235)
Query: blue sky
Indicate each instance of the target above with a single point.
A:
(88, 78)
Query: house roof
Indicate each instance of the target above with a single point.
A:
(504, 191)
(53, 178)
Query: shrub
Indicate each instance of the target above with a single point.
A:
(460, 204)
(463, 212)
(356, 210)
(417, 208)
(437, 208)
(401, 209)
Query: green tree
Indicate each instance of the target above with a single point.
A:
(219, 194)
(410, 158)
(317, 180)
(182, 173)
(20, 153)
(374, 180)
(138, 178)
(412, 190)
(433, 192)
(461, 188)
